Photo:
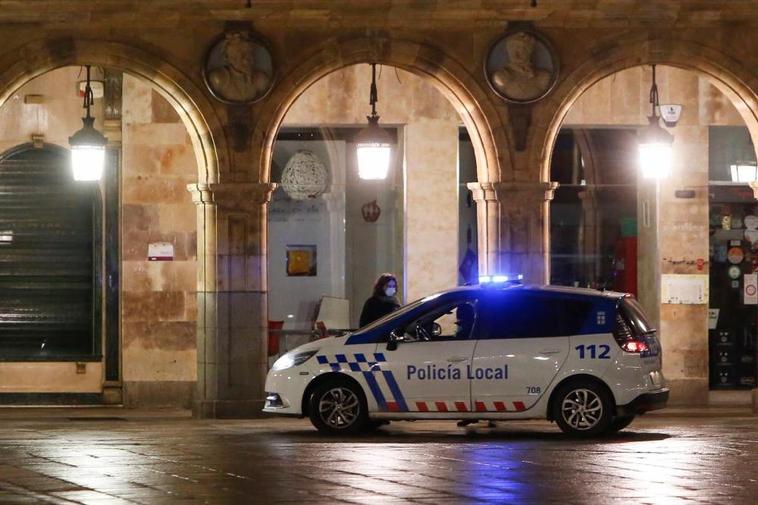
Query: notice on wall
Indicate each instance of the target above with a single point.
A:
(684, 289)
(750, 289)
(160, 251)
(713, 318)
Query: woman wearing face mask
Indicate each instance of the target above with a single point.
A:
(382, 302)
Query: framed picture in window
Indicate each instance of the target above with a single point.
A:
(301, 260)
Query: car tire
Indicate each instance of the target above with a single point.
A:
(338, 407)
(619, 423)
(582, 408)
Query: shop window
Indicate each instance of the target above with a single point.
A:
(330, 233)
(593, 216)
(733, 248)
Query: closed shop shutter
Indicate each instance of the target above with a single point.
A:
(46, 258)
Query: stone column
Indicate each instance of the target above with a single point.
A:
(514, 226)
(232, 318)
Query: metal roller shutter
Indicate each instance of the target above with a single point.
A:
(46, 257)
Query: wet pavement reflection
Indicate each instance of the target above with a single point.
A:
(157, 459)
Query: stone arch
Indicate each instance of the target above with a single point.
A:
(19, 66)
(732, 78)
(472, 102)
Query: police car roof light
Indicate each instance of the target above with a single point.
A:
(500, 279)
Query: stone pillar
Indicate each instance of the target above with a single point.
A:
(232, 317)
(514, 225)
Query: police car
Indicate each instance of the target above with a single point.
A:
(586, 359)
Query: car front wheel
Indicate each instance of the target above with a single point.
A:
(582, 409)
(338, 407)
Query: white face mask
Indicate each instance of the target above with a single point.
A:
(390, 291)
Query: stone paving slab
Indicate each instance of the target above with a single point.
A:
(148, 458)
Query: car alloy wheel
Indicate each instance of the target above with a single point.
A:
(582, 409)
(339, 408)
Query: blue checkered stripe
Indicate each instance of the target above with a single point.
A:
(372, 372)
(359, 363)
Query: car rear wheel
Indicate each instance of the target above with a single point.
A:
(582, 409)
(338, 407)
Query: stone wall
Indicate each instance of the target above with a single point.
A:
(159, 309)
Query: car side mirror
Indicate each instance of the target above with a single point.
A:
(395, 338)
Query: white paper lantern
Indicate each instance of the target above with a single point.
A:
(304, 176)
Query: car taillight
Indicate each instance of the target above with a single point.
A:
(634, 346)
(626, 338)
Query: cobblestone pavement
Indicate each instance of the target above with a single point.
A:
(121, 457)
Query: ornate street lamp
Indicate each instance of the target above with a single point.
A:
(88, 144)
(655, 142)
(373, 143)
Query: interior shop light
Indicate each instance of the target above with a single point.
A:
(373, 143)
(655, 142)
(88, 144)
(744, 172)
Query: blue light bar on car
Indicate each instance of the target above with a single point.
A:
(499, 278)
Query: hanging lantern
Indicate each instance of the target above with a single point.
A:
(304, 176)
(373, 143)
(88, 144)
(655, 142)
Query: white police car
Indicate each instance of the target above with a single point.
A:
(586, 359)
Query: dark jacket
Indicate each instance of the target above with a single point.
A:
(376, 307)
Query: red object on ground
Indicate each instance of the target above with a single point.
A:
(273, 336)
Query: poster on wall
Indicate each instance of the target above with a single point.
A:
(301, 260)
(750, 289)
(684, 289)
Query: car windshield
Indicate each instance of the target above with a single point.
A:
(392, 315)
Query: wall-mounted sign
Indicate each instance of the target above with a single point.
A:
(735, 255)
(734, 272)
(713, 318)
(160, 251)
(750, 289)
(684, 289)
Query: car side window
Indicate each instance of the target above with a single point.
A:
(533, 315)
(452, 321)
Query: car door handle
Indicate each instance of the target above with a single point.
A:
(548, 352)
(456, 359)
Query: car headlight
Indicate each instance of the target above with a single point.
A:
(292, 359)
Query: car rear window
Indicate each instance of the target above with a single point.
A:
(635, 315)
(533, 315)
